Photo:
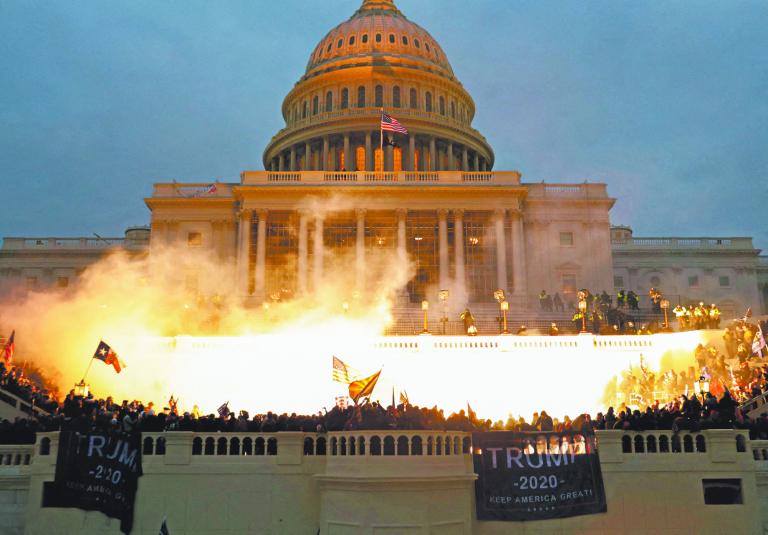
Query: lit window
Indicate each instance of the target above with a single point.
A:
(360, 158)
(725, 281)
(378, 163)
(62, 282)
(566, 239)
(693, 281)
(194, 239)
(618, 282)
(397, 157)
(569, 284)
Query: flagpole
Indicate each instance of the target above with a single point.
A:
(381, 140)
(87, 370)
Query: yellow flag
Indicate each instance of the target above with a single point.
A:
(363, 387)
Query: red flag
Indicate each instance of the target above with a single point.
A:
(9, 348)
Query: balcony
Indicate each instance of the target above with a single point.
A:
(370, 178)
(713, 244)
(18, 244)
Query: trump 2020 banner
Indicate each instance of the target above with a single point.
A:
(537, 475)
(97, 471)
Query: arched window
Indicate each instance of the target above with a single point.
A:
(428, 102)
(396, 97)
(365, 38)
(304, 110)
(328, 102)
(389, 445)
(405, 40)
(315, 105)
(344, 98)
(361, 97)
(379, 96)
(414, 99)
(360, 158)
(330, 45)
(341, 42)
(351, 40)
(426, 45)
(378, 38)
(392, 38)
(442, 106)
(416, 43)
(453, 110)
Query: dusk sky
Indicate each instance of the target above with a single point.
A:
(666, 102)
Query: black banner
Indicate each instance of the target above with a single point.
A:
(97, 471)
(537, 475)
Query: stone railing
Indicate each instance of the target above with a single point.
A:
(61, 243)
(13, 456)
(684, 243)
(582, 191)
(197, 190)
(398, 443)
(315, 178)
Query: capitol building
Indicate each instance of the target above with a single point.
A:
(336, 195)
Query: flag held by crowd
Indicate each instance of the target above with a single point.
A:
(223, 410)
(343, 372)
(390, 124)
(363, 387)
(108, 356)
(9, 348)
(758, 344)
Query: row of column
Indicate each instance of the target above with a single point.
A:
(517, 237)
(327, 155)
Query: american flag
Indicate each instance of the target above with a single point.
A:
(223, 410)
(390, 124)
(341, 372)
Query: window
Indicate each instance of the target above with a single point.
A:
(569, 284)
(414, 99)
(453, 110)
(566, 239)
(304, 110)
(392, 38)
(379, 96)
(361, 97)
(344, 98)
(396, 97)
(328, 102)
(442, 105)
(341, 42)
(693, 281)
(352, 40)
(365, 38)
(618, 282)
(405, 40)
(194, 239)
(31, 283)
(725, 281)
(428, 104)
(378, 38)
(315, 105)
(722, 491)
(360, 158)
(330, 45)
(416, 43)
(426, 45)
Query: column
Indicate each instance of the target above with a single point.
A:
(368, 152)
(280, 164)
(402, 250)
(442, 234)
(307, 156)
(464, 160)
(458, 246)
(360, 250)
(449, 153)
(318, 253)
(243, 250)
(302, 260)
(432, 154)
(476, 162)
(293, 158)
(518, 255)
(501, 250)
(324, 163)
(261, 255)
(333, 165)
(349, 160)
(411, 153)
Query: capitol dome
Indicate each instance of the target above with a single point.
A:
(378, 59)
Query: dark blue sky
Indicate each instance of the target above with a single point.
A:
(666, 102)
